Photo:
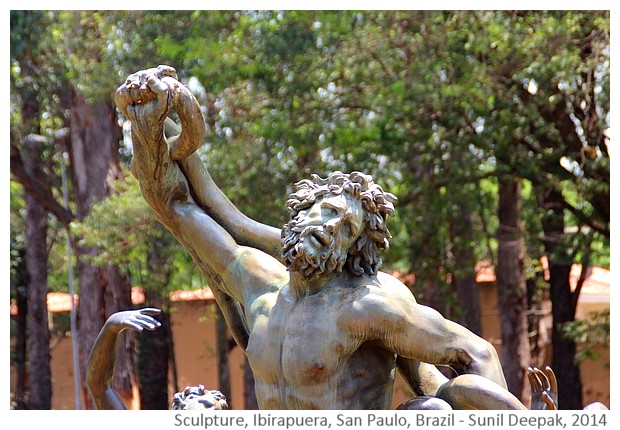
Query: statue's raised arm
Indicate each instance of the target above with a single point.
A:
(243, 229)
(147, 98)
(137, 92)
(102, 358)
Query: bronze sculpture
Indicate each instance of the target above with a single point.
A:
(100, 371)
(322, 327)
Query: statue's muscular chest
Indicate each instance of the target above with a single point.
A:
(300, 342)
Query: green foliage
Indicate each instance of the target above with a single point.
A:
(17, 238)
(117, 224)
(27, 27)
(591, 333)
(125, 231)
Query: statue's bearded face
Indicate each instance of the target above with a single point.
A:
(317, 240)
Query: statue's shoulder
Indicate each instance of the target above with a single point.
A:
(376, 298)
(382, 287)
(393, 285)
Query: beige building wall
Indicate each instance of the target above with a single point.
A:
(595, 374)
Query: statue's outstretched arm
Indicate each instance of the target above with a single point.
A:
(100, 371)
(146, 98)
(421, 333)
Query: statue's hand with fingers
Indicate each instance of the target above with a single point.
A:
(137, 320)
(544, 388)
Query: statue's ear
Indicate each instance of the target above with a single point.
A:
(217, 395)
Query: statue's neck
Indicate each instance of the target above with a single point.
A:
(302, 286)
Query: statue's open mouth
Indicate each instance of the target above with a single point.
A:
(320, 238)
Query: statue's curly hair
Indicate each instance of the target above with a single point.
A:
(192, 395)
(377, 206)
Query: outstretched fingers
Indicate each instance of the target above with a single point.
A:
(535, 381)
(147, 322)
(150, 311)
(133, 325)
(542, 376)
(549, 402)
(141, 319)
(553, 381)
(544, 388)
(140, 325)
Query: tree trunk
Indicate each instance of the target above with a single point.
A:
(154, 359)
(222, 351)
(511, 287)
(249, 394)
(37, 331)
(103, 290)
(21, 300)
(155, 348)
(562, 301)
(537, 341)
(464, 273)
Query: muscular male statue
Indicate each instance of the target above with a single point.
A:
(326, 328)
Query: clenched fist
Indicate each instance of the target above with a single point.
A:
(148, 96)
(146, 93)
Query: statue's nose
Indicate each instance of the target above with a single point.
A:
(314, 214)
(308, 217)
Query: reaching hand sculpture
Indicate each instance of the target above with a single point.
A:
(544, 388)
(102, 358)
(323, 328)
(100, 372)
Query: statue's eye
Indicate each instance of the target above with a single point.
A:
(330, 211)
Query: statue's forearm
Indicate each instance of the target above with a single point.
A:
(243, 229)
(192, 122)
(477, 393)
(100, 370)
(153, 154)
(430, 338)
(159, 181)
(157, 146)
